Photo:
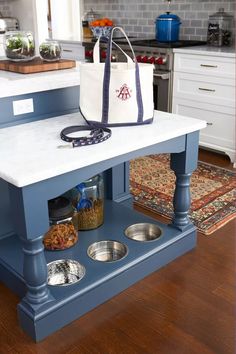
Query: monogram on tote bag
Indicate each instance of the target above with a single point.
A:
(114, 93)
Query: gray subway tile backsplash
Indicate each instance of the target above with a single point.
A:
(5, 8)
(137, 17)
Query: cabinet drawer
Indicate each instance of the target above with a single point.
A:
(72, 51)
(205, 65)
(204, 89)
(220, 130)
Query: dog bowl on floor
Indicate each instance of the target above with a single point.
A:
(107, 251)
(65, 272)
(143, 232)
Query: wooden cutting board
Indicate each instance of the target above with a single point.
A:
(37, 65)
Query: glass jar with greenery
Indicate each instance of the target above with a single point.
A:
(50, 50)
(19, 45)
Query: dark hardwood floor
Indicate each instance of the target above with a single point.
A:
(187, 307)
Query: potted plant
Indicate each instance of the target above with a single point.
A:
(50, 51)
(19, 45)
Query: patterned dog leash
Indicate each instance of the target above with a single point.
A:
(96, 135)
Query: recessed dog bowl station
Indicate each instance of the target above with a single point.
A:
(65, 272)
(43, 308)
(107, 251)
(143, 232)
(114, 256)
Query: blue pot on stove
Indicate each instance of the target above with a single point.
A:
(167, 28)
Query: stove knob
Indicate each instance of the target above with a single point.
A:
(139, 58)
(161, 60)
(88, 53)
(144, 59)
(151, 60)
(103, 54)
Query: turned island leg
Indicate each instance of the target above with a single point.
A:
(183, 164)
(182, 200)
(30, 216)
(35, 272)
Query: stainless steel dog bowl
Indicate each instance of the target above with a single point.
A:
(143, 232)
(65, 272)
(107, 251)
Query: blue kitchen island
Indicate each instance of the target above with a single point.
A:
(36, 170)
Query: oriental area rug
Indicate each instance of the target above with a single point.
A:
(213, 191)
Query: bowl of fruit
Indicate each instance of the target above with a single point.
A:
(101, 27)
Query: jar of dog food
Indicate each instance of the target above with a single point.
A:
(89, 203)
(62, 233)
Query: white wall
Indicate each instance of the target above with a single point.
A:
(32, 15)
(23, 10)
(65, 19)
(41, 21)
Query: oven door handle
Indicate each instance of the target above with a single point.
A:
(164, 76)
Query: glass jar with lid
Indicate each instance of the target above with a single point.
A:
(62, 233)
(89, 203)
(50, 50)
(19, 45)
(87, 18)
(220, 29)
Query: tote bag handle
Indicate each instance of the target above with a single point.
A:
(96, 52)
(107, 76)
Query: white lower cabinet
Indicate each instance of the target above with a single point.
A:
(208, 96)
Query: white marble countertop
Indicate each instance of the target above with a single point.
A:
(228, 52)
(13, 84)
(27, 156)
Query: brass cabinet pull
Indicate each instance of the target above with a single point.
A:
(208, 66)
(209, 123)
(205, 89)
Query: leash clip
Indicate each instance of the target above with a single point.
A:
(65, 146)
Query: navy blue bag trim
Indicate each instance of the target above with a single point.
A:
(106, 87)
(104, 125)
(110, 125)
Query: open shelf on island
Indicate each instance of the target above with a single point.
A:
(102, 279)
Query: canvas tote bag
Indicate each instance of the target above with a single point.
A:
(116, 94)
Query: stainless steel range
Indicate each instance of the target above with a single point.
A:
(149, 51)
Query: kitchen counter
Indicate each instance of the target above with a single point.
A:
(208, 50)
(36, 171)
(13, 84)
(20, 161)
